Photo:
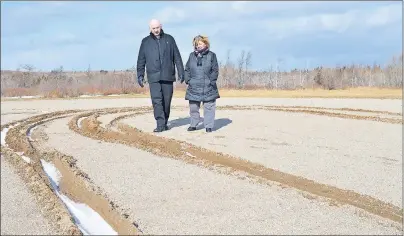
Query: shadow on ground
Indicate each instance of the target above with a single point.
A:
(219, 123)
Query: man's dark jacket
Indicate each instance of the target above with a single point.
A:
(159, 57)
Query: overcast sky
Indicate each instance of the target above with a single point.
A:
(107, 35)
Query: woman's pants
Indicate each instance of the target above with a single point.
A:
(209, 109)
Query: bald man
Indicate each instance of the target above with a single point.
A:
(159, 53)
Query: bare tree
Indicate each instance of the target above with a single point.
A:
(240, 77)
(226, 69)
(58, 76)
(26, 79)
(278, 75)
(88, 72)
(247, 66)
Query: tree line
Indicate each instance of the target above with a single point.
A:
(234, 74)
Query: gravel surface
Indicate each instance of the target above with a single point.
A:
(19, 213)
(393, 105)
(361, 113)
(6, 118)
(364, 156)
(166, 196)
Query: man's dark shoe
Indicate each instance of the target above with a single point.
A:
(191, 128)
(166, 127)
(159, 129)
(208, 130)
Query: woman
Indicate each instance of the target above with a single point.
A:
(201, 72)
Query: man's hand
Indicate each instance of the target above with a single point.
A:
(140, 81)
(182, 79)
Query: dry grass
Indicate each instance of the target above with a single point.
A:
(321, 93)
(361, 92)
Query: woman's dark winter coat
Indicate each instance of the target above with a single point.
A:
(201, 76)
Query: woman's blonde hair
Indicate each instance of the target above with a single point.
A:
(198, 38)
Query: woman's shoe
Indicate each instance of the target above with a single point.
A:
(191, 128)
(208, 130)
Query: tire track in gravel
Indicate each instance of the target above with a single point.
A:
(165, 195)
(322, 111)
(349, 111)
(32, 173)
(39, 184)
(74, 183)
(340, 109)
(192, 154)
(340, 152)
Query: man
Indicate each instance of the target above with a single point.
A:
(159, 52)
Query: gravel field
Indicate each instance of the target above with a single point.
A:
(393, 105)
(170, 197)
(19, 214)
(167, 196)
(364, 156)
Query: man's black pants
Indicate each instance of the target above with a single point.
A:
(161, 95)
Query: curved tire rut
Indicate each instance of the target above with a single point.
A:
(228, 164)
(77, 185)
(74, 183)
